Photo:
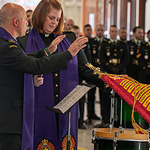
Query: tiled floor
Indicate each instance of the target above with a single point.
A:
(85, 136)
(85, 140)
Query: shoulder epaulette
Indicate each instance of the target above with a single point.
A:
(11, 41)
(105, 39)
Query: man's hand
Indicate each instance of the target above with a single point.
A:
(78, 44)
(53, 46)
(38, 80)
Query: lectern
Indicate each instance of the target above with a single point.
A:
(66, 104)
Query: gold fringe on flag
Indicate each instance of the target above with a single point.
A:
(97, 71)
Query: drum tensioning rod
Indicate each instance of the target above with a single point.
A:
(115, 140)
(121, 109)
(112, 109)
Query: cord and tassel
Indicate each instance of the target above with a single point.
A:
(97, 71)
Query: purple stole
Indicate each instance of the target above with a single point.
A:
(37, 118)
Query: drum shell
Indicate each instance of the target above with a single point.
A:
(103, 139)
(126, 116)
(106, 144)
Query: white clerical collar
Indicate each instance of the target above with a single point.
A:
(46, 35)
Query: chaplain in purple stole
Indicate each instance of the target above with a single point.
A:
(50, 129)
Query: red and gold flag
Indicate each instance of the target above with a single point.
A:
(136, 94)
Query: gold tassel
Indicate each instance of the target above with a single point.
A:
(97, 71)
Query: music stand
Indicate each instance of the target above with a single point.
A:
(66, 104)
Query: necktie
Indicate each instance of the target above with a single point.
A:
(114, 43)
(138, 43)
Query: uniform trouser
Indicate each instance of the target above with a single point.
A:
(81, 108)
(105, 106)
(91, 102)
(10, 141)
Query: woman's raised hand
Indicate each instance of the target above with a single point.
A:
(53, 46)
(78, 44)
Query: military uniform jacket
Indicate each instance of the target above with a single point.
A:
(114, 57)
(135, 52)
(13, 64)
(95, 47)
(144, 64)
(87, 52)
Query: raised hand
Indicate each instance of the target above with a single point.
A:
(78, 44)
(53, 46)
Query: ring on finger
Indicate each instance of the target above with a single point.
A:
(79, 44)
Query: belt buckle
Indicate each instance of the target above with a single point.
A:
(115, 61)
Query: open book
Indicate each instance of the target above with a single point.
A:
(75, 95)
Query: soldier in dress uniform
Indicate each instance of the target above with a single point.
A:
(135, 46)
(123, 34)
(77, 32)
(95, 46)
(138, 67)
(88, 34)
(144, 61)
(113, 54)
(87, 51)
(114, 58)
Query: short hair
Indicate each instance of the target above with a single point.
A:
(41, 11)
(148, 31)
(123, 28)
(137, 27)
(87, 25)
(113, 26)
(29, 10)
(9, 11)
(97, 25)
(75, 27)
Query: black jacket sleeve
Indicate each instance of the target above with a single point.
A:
(13, 58)
(85, 73)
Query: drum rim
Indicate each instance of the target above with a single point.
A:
(131, 140)
(104, 133)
